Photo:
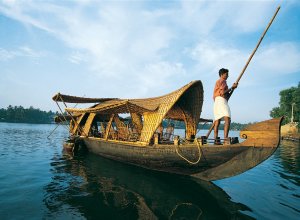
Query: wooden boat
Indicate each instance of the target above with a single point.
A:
(135, 139)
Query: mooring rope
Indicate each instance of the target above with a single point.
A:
(187, 160)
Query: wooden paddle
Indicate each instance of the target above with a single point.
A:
(250, 58)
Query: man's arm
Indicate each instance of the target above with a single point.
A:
(229, 91)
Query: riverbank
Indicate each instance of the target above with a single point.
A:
(290, 132)
(31, 115)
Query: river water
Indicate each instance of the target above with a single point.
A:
(40, 181)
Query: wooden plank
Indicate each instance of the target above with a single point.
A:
(88, 123)
(108, 127)
(76, 127)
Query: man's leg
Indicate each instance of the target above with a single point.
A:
(226, 127)
(216, 128)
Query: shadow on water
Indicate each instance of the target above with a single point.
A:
(92, 187)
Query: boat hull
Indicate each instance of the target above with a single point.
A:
(216, 161)
(207, 162)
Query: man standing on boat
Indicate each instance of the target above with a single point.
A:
(221, 107)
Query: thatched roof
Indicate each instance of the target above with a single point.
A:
(183, 104)
(118, 106)
(75, 99)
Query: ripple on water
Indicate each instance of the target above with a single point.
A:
(271, 188)
(37, 181)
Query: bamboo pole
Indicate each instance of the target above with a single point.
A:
(62, 113)
(210, 129)
(249, 60)
(255, 49)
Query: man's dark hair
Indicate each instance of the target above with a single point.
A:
(222, 71)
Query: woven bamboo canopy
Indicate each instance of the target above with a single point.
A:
(75, 99)
(184, 104)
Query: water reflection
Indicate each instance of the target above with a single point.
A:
(92, 187)
(288, 168)
(286, 164)
(289, 154)
(272, 188)
(37, 182)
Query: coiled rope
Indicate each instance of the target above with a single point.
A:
(187, 160)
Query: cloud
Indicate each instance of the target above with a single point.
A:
(273, 60)
(250, 17)
(224, 17)
(147, 48)
(212, 55)
(6, 55)
(116, 33)
(23, 51)
(17, 10)
(29, 52)
(279, 59)
(119, 36)
(77, 57)
(156, 75)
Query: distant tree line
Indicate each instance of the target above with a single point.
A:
(288, 97)
(181, 125)
(236, 126)
(19, 114)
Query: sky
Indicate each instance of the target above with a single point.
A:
(140, 49)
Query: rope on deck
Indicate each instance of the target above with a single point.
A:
(187, 160)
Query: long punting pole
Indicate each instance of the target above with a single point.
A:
(250, 58)
(255, 49)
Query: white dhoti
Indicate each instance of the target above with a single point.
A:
(221, 108)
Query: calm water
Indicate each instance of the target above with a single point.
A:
(39, 181)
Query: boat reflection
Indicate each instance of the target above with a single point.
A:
(92, 187)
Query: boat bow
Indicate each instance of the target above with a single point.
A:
(262, 139)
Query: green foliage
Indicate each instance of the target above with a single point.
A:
(18, 114)
(237, 126)
(287, 98)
